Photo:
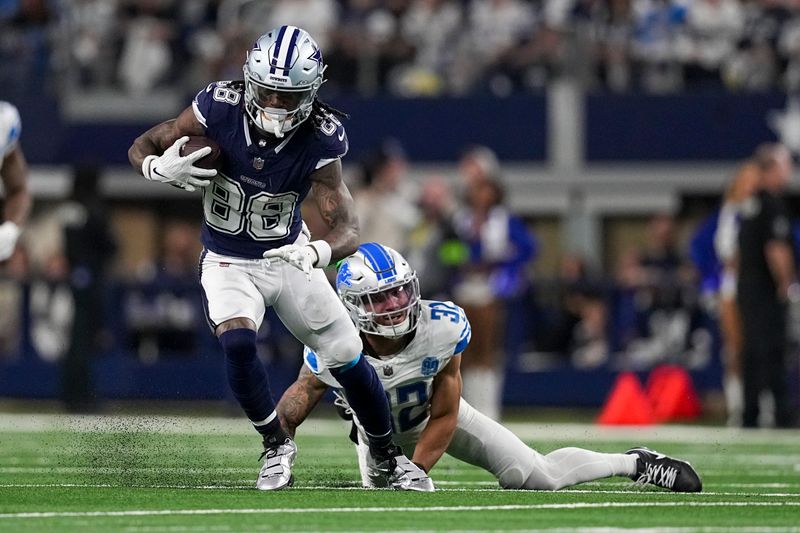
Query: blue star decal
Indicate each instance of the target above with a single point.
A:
(317, 56)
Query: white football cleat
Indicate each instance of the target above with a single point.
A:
(396, 471)
(277, 470)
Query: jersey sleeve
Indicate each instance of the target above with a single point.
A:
(464, 335)
(452, 331)
(213, 104)
(10, 128)
(333, 143)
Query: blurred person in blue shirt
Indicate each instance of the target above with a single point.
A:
(714, 252)
(500, 247)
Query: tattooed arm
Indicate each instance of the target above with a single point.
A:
(299, 399)
(160, 137)
(336, 207)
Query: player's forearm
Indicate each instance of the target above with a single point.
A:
(343, 241)
(18, 207)
(434, 441)
(297, 403)
(337, 209)
(17, 196)
(152, 142)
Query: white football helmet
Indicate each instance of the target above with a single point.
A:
(285, 62)
(380, 291)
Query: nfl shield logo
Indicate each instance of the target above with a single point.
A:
(258, 163)
(388, 371)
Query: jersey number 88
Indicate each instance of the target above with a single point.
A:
(264, 216)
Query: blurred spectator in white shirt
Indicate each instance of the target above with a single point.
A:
(385, 205)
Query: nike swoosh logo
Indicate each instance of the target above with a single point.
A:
(341, 136)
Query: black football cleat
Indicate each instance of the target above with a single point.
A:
(657, 469)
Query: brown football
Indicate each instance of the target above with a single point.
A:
(195, 143)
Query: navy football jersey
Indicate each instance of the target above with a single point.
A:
(253, 204)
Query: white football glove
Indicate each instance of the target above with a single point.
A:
(315, 254)
(171, 168)
(9, 233)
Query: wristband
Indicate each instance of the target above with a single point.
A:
(146, 166)
(324, 252)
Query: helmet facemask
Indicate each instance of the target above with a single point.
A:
(390, 311)
(280, 87)
(380, 291)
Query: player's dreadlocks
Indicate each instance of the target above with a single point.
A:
(319, 112)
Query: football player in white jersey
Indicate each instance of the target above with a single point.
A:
(415, 346)
(14, 174)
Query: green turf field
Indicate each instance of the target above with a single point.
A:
(155, 474)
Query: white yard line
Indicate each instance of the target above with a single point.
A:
(423, 509)
(629, 492)
(529, 431)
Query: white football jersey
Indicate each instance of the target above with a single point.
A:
(443, 332)
(10, 129)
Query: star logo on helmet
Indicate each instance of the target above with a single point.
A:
(316, 56)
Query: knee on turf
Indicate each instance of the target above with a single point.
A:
(517, 477)
(511, 478)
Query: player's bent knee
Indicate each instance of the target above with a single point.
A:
(518, 477)
(341, 351)
(239, 344)
(511, 478)
(539, 481)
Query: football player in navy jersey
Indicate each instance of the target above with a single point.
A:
(417, 345)
(278, 143)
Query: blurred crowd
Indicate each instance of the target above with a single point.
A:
(463, 240)
(409, 47)
(665, 299)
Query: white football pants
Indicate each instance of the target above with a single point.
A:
(480, 441)
(311, 310)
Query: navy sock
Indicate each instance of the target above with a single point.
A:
(368, 400)
(248, 379)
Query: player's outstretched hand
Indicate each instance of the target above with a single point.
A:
(9, 233)
(172, 168)
(303, 257)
